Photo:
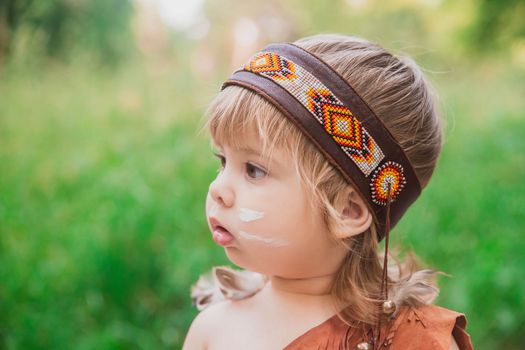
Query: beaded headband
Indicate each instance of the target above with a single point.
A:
(339, 122)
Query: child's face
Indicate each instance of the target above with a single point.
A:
(274, 230)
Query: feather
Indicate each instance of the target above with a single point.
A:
(415, 289)
(223, 283)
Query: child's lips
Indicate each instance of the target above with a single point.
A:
(220, 234)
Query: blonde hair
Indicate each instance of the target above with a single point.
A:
(395, 88)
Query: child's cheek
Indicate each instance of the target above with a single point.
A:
(248, 215)
(210, 205)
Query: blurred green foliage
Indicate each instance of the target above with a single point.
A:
(55, 28)
(103, 174)
(496, 24)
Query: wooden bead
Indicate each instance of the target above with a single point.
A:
(364, 346)
(389, 307)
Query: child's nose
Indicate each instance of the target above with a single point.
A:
(221, 192)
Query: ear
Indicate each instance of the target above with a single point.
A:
(355, 215)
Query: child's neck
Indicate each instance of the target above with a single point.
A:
(307, 297)
(318, 286)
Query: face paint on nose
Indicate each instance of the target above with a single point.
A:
(263, 240)
(248, 215)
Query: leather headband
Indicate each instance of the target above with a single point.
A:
(338, 121)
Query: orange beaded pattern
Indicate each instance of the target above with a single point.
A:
(337, 119)
(392, 173)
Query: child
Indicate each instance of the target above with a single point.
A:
(323, 145)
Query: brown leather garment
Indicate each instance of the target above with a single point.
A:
(428, 327)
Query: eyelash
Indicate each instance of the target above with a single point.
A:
(248, 166)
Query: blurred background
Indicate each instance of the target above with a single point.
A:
(103, 174)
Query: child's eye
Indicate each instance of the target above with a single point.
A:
(222, 159)
(254, 171)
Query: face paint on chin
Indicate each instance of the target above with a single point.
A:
(263, 240)
(248, 215)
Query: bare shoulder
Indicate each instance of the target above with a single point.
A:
(211, 324)
(201, 329)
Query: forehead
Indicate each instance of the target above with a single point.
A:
(252, 144)
(241, 140)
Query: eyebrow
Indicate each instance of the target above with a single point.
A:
(249, 150)
(243, 149)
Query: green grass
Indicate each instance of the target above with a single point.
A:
(102, 186)
(469, 222)
(101, 211)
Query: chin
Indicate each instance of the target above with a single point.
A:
(232, 253)
(237, 259)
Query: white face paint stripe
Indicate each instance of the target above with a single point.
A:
(248, 215)
(269, 241)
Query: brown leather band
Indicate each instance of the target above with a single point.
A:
(292, 108)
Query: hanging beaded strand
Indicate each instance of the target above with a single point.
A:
(388, 306)
(388, 309)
